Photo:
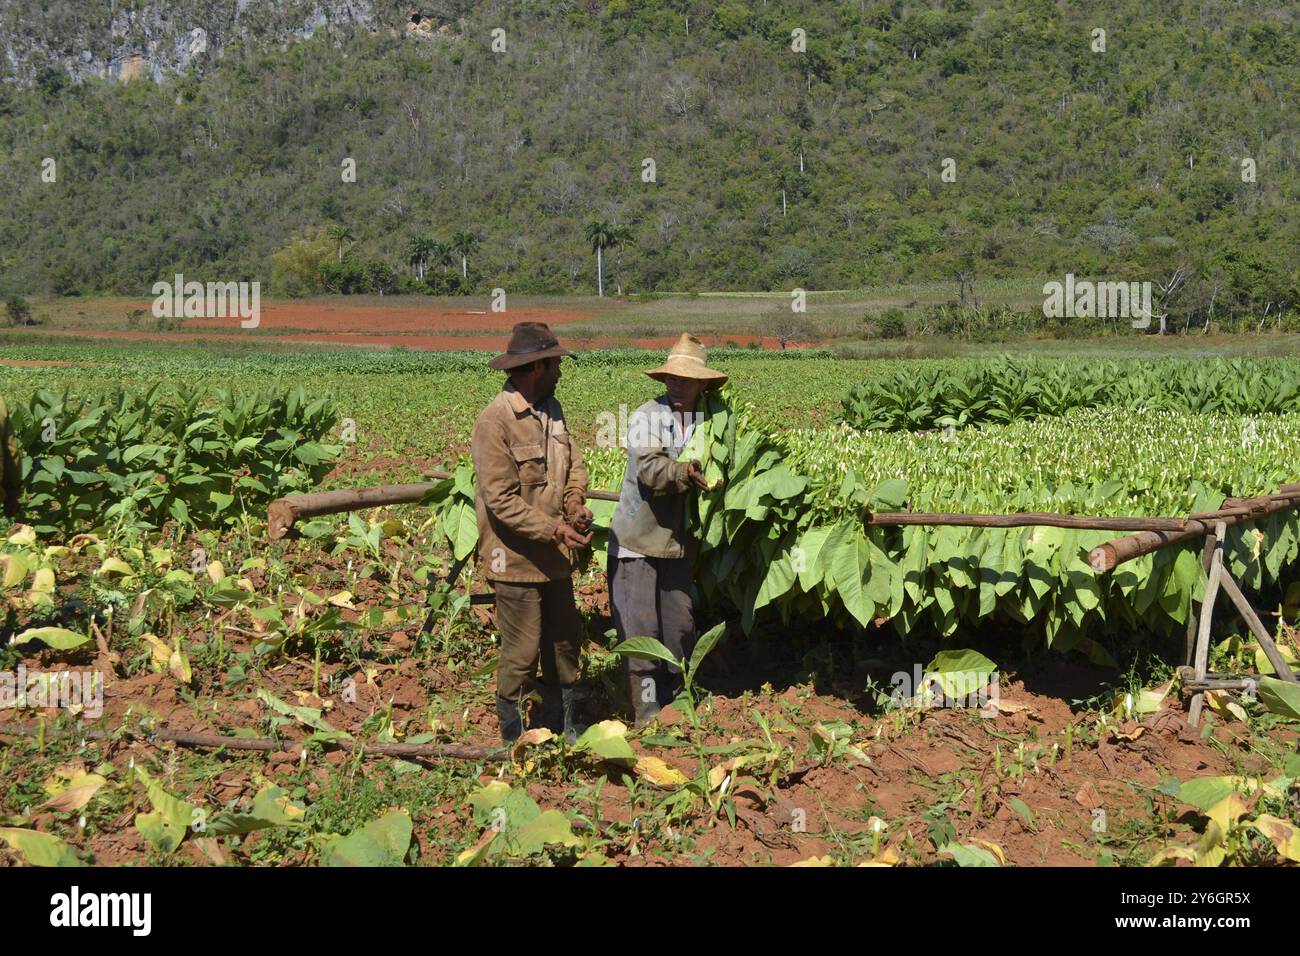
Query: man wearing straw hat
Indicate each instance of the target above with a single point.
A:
(649, 560)
(531, 488)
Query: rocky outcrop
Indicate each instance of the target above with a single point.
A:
(120, 39)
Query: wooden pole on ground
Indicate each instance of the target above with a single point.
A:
(267, 745)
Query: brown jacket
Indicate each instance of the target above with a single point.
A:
(525, 479)
(11, 470)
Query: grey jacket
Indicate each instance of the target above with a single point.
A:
(651, 513)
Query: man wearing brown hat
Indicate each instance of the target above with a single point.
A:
(532, 520)
(11, 464)
(650, 553)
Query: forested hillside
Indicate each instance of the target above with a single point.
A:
(772, 167)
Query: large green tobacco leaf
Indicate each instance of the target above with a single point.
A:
(961, 673)
(170, 820)
(381, 842)
(607, 740)
(272, 807)
(1280, 697)
(645, 648)
(153, 456)
(40, 849)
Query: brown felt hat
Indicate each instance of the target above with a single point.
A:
(687, 359)
(529, 341)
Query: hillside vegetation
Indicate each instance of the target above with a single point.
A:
(1123, 164)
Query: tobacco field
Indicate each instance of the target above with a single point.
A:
(142, 555)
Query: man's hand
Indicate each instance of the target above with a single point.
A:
(566, 536)
(695, 475)
(580, 518)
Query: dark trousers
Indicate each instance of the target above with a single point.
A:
(651, 597)
(539, 623)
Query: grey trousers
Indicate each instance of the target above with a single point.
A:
(651, 597)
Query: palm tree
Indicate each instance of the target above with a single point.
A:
(441, 254)
(342, 234)
(784, 181)
(462, 244)
(601, 236)
(417, 252)
(622, 236)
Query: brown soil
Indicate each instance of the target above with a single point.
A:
(345, 319)
(946, 752)
(435, 326)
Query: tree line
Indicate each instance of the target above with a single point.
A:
(981, 139)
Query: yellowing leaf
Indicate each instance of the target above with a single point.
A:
(1209, 849)
(59, 638)
(607, 739)
(475, 854)
(1151, 699)
(216, 572)
(70, 788)
(342, 599)
(992, 848)
(996, 705)
(1265, 666)
(815, 861)
(1283, 834)
(1223, 705)
(22, 534)
(1228, 811)
(40, 849)
(160, 653)
(530, 738)
(719, 773)
(1170, 856)
(178, 665)
(113, 565)
(14, 569)
(43, 581)
(658, 774)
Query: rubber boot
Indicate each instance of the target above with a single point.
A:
(552, 716)
(643, 711)
(572, 729)
(511, 721)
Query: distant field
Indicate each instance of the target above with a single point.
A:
(431, 323)
(423, 403)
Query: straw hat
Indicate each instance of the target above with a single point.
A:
(687, 359)
(529, 341)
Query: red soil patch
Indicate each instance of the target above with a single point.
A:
(423, 343)
(391, 320)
